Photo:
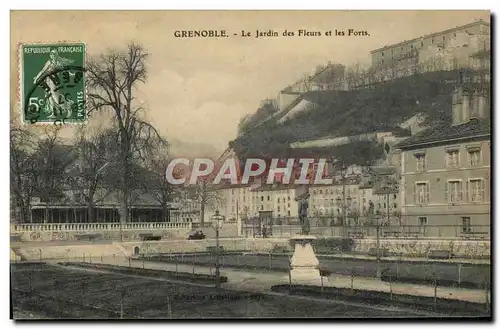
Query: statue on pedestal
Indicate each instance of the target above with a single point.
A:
(303, 201)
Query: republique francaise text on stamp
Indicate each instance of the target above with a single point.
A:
(52, 82)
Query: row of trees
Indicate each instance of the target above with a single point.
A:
(126, 156)
(85, 170)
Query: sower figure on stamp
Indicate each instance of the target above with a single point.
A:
(55, 62)
(303, 201)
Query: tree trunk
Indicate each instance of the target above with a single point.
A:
(123, 207)
(165, 214)
(46, 212)
(90, 211)
(202, 214)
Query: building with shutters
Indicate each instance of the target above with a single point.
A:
(445, 170)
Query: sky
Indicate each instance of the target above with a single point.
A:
(198, 89)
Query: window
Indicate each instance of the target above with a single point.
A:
(466, 227)
(394, 196)
(278, 208)
(421, 162)
(320, 191)
(288, 205)
(454, 191)
(262, 198)
(395, 205)
(421, 193)
(476, 187)
(278, 200)
(268, 198)
(422, 221)
(261, 207)
(421, 43)
(452, 158)
(288, 198)
(288, 212)
(474, 157)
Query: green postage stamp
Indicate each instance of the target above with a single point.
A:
(53, 82)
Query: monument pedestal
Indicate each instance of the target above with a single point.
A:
(304, 265)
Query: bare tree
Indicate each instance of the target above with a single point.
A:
(207, 197)
(156, 183)
(96, 152)
(51, 160)
(22, 143)
(112, 80)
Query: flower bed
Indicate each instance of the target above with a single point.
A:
(448, 306)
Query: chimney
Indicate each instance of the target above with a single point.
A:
(473, 105)
(456, 105)
(482, 105)
(465, 106)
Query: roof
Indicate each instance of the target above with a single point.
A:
(447, 132)
(431, 35)
(276, 187)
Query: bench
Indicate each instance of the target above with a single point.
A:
(89, 237)
(395, 234)
(149, 237)
(439, 254)
(474, 235)
(213, 249)
(15, 238)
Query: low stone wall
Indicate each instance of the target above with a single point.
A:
(419, 248)
(44, 236)
(409, 248)
(66, 252)
(165, 247)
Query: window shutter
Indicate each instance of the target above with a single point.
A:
(415, 193)
(466, 191)
(446, 193)
(460, 191)
(427, 193)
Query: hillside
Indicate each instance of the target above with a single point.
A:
(342, 113)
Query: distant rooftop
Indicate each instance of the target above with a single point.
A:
(447, 132)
